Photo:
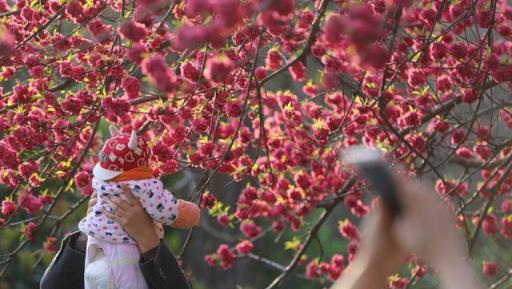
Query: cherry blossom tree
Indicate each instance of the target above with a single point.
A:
(426, 82)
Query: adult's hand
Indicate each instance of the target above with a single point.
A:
(425, 227)
(92, 201)
(137, 223)
(379, 255)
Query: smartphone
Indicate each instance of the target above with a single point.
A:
(369, 163)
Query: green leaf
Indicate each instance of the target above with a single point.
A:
(416, 57)
(70, 184)
(293, 244)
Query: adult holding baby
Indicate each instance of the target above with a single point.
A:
(157, 263)
(129, 204)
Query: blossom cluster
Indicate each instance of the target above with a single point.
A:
(198, 79)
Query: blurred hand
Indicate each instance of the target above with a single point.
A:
(425, 227)
(133, 218)
(379, 255)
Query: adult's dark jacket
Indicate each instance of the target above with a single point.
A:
(66, 271)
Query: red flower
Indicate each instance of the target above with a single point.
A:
(397, 282)
(489, 224)
(273, 59)
(200, 125)
(169, 167)
(28, 168)
(303, 180)
(50, 245)
(192, 36)
(506, 227)
(226, 256)
(313, 270)
(482, 151)
(75, 11)
(348, 230)
(7, 42)
(244, 247)
(438, 51)
(133, 31)
(233, 109)
(223, 219)
(208, 200)
(489, 269)
(337, 260)
(365, 26)
(458, 136)
(464, 153)
(210, 260)
(28, 230)
(115, 106)
(218, 69)
(375, 56)
(31, 203)
(458, 50)
(159, 73)
(438, 125)
(100, 31)
(333, 28)
(229, 14)
(196, 7)
(469, 96)
(8, 157)
(135, 53)
(298, 71)
(190, 71)
(416, 78)
(260, 72)
(444, 83)
(8, 207)
(250, 229)
(72, 105)
(506, 206)
(46, 199)
(504, 30)
(411, 119)
(131, 86)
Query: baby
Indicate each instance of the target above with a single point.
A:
(112, 257)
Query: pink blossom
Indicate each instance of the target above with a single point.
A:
(334, 25)
(348, 230)
(100, 31)
(31, 203)
(244, 247)
(226, 256)
(159, 73)
(131, 86)
(8, 207)
(28, 230)
(7, 42)
(249, 229)
(133, 31)
(218, 69)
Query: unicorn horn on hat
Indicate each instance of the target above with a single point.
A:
(132, 144)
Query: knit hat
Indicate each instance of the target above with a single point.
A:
(121, 153)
